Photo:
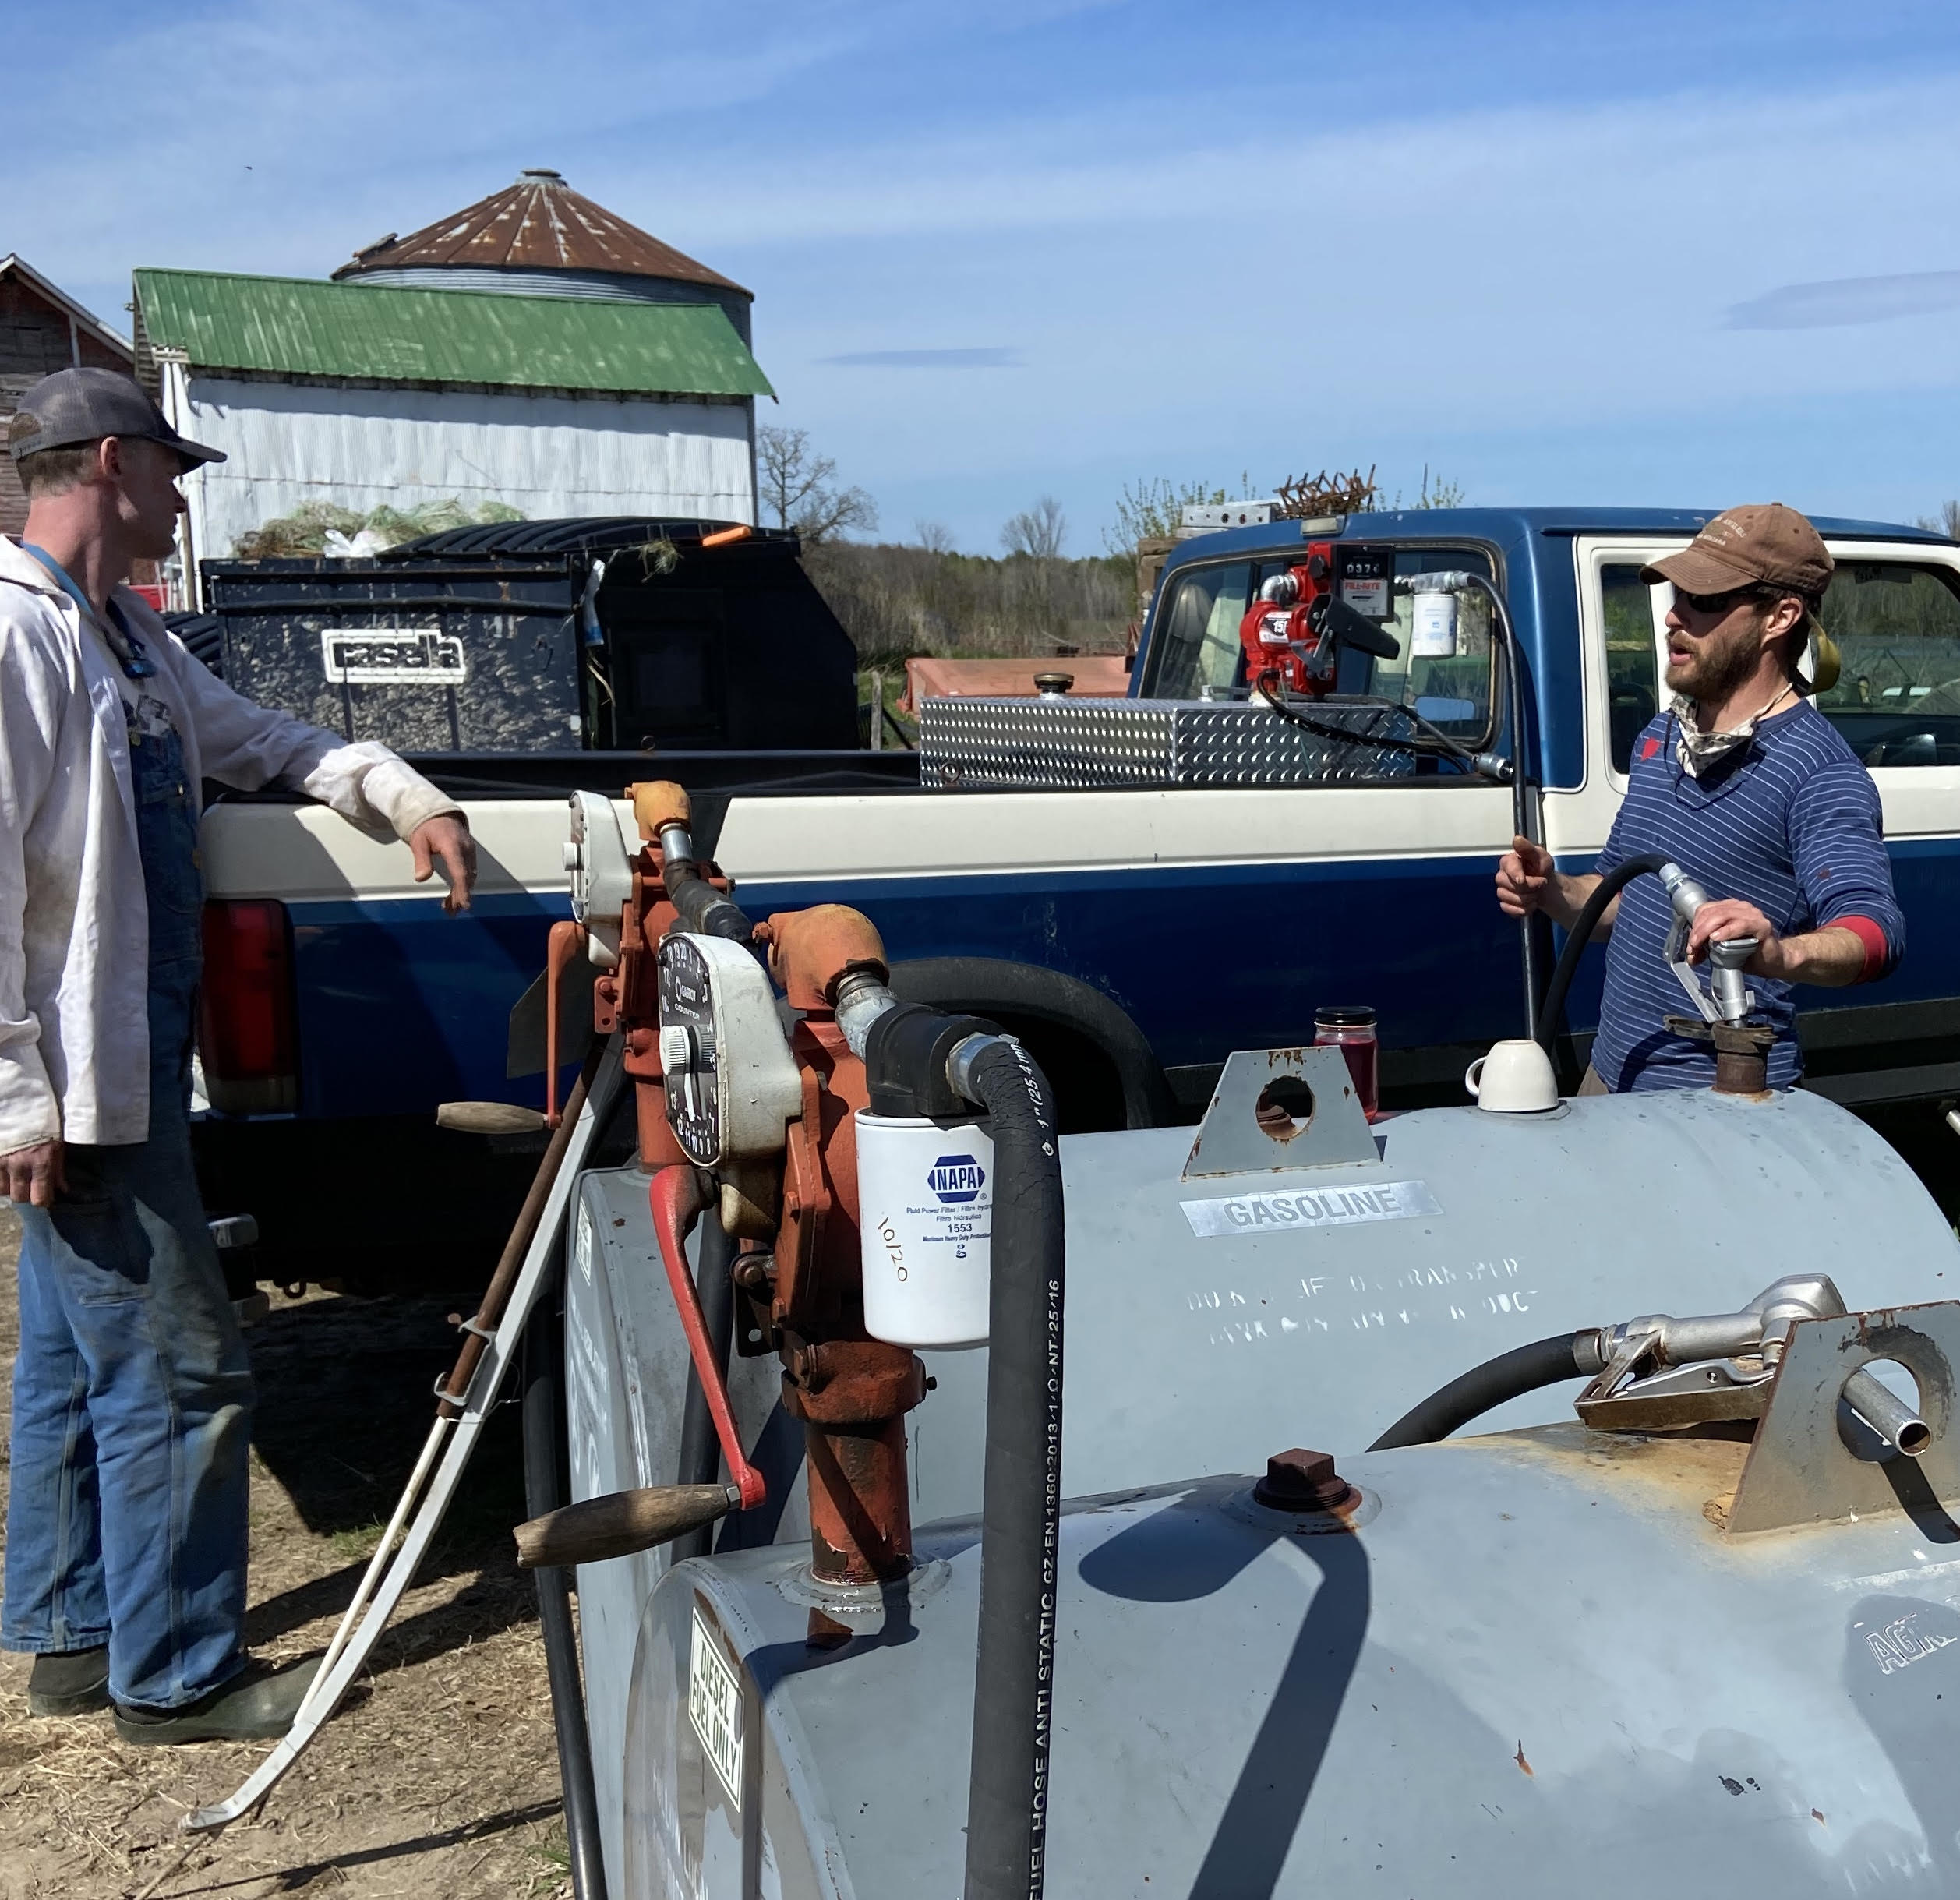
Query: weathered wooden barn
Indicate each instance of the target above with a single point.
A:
(42, 329)
(532, 350)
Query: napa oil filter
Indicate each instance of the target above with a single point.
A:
(925, 1199)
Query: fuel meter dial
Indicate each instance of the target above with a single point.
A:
(732, 1083)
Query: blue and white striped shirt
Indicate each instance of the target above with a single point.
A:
(1790, 822)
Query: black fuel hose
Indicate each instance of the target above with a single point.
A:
(705, 910)
(1510, 1375)
(1583, 926)
(1007, 1801)
(544, 1490)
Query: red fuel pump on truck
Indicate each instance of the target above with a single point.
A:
(1294, 632)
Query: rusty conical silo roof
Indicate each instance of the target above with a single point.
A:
(538, 224)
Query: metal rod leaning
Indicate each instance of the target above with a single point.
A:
(473, 1386)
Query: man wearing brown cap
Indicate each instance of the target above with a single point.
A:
(1747, 786)
(125, 1558)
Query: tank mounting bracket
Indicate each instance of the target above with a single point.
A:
(1277, 1110)
(1801, 1470)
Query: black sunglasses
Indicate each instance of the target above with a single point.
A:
(1721, 603)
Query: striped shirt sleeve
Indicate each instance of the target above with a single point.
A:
(1838, 850)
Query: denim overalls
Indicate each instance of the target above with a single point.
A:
(126, 1520)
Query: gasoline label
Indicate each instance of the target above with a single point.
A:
(1322, 1207)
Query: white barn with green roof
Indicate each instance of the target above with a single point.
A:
(629, 391)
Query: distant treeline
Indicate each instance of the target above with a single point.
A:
(898, 602)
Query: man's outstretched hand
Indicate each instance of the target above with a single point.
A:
(32, 1177)
(446, 840)
(1524, 873)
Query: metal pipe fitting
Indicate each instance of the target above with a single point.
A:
(657, 803)
(1888, 1415)
(813, 952)
(961, 1062)
(861, 1000)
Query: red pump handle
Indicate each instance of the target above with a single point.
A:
(676, 1199)
(565, 941)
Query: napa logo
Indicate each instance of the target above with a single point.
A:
(955, 1177)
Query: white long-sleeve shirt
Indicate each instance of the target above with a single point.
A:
(74, 921)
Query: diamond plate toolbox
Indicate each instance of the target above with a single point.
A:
(1060, 744)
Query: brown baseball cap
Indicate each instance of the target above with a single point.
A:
(1765, 542)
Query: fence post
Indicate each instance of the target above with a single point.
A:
(877, 710)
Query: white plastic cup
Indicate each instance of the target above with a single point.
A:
(925, 1201)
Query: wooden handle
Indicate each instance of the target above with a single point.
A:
(488, 1118)
(620, 1523)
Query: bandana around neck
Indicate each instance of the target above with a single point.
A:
(1698, 750)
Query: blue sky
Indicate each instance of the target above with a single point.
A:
(1567, 253)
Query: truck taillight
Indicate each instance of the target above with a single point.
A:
(246, 1035)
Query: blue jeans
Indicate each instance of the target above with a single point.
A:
(126, 1520)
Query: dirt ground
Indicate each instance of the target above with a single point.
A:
(438, 1777)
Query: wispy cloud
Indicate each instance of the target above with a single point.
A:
(1848, 300)
(998, 357)
(1553, 236)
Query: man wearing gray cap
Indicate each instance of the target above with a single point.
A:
(1752, 792)
(126, 1519)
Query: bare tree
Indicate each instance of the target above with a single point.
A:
(934, 537)
(1946, 522)
(1039, 530)
(796, 487)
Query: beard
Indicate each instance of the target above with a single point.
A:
(1722, 663)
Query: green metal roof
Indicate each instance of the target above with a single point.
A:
(301, 326)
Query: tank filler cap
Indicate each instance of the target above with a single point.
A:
(1300, 1481)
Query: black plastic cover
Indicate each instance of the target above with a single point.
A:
(905, 1061)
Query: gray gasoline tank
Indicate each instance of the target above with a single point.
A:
(1259, 1295)
(1538, 1667)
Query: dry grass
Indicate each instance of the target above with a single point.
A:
(438, 1777)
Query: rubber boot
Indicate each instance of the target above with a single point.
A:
(258, 1705)
(74, 1682)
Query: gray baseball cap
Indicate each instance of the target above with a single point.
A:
(75, 406)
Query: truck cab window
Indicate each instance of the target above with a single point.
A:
(1633, 669)
(1196, 649)
(1443, 671)
(1897, 624)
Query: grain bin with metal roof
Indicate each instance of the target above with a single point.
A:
(604, 374)
(540, 238)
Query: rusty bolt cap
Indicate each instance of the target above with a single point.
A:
(1299, 1479)
(806, 1367)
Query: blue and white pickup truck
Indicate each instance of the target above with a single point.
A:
(1134, 934)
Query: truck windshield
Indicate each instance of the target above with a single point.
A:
(1443, 670)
